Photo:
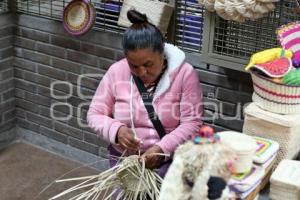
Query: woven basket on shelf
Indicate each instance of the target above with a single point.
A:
(275, 97)
(283, 129)
(158, 13)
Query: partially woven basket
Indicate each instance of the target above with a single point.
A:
(158, 13)
(275, 97)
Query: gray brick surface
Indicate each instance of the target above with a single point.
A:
(233, 124)
(24, 64)
(5, 31)
(89, 83)
(7, 105)
(75, 101)
(217, 79)
(7, 125)
(81, 57)
(25, 43)
(8, 74)
(54, 134)
(28, 125)
(6, 42)
(20, 113)
(7, 85)
(35, 35)
(60, 87)
(208, 116)
(98, 50)
(6, 52)
(25, 85)
(33, 56)
(74, 122)
(84, 146)
(39, 119)
(51, 72)
(51, 50)
(8, 115)
(27, 105)
(233, 96)
(6, 64)
(219, 106)
(65, 129)
(66, 65)
(65, 42)
(208, 90)
(94, 139)
(8, 94)
(37, 78)
(37, 99)
(105, 63)
(45, 111)
(119, 55)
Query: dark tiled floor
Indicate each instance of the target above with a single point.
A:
(26, 170)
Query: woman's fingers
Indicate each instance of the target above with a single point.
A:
(127, 140)
(129, 143)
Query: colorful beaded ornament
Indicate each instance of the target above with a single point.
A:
(205, 135)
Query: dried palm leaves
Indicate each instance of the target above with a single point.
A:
(129, 180)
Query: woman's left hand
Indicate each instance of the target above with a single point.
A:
(153, 161)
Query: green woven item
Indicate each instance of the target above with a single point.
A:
(292, 78)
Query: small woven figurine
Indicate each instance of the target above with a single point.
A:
(200, 169)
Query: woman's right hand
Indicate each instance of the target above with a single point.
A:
(126, 139)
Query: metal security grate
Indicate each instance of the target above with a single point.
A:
(240, 40)
(189, 17)
(50, 9)
(189, 25)
(3, 6)
(107, 13)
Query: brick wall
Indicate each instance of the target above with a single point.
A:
(47, 59)
(7, 101)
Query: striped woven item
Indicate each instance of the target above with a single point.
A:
(289, 38)
(275, 97)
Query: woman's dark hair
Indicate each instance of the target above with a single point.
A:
(142, 34)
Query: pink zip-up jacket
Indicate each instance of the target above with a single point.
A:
(177, 102)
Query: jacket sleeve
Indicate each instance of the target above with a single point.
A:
(99, 115)
(191, 110)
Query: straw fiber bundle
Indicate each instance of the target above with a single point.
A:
(129, 180)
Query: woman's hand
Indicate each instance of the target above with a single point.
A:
(125, 138)
(153, 161)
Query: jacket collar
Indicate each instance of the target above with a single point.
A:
(175, 58)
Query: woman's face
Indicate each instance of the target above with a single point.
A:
(145, 64)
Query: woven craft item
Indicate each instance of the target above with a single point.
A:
(79, 17)
(285, 182)
(288, 36)
(283, 129)
(239, 10)
(129, 180)
(275, 97)
(158, 13)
